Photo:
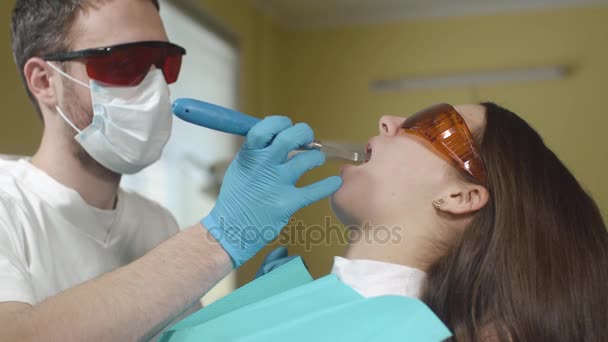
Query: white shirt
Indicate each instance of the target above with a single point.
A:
(51, 240)
(374, 278)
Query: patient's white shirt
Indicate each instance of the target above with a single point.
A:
(51, 240)
(374, 278)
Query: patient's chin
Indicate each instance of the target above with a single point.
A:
(351, 203)
(343, 207)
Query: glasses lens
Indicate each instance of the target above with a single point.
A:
(171, 68)
(121, 67)
(128, 66)
(447, 131)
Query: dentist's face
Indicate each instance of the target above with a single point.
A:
(402, 177)
(105, 23)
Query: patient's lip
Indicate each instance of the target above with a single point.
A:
(345, 167)
(369, 149)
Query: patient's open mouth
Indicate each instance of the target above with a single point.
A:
(368, 153)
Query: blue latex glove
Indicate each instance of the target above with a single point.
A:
(259, 195)
(275, 259)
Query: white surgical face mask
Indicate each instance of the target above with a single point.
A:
(131, 125)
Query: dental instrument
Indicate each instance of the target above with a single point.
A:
(230, 121)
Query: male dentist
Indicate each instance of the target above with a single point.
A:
(83, 260)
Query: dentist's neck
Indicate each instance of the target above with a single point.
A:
(96, 185)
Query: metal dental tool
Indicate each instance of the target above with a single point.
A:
(229, 121)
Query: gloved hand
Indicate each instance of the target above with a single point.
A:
(258, 195)
(275, 259)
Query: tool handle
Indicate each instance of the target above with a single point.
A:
(213, 116)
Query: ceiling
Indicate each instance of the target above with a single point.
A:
(310, 14)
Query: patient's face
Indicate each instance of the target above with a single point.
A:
(401, 179)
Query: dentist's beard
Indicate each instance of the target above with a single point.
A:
(82, 116)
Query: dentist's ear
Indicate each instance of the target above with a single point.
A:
(39, 78)
(462, 199)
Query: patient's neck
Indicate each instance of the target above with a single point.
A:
(394, 244)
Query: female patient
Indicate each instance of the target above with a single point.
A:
(495, 234)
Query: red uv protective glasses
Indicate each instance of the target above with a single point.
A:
(127, 64)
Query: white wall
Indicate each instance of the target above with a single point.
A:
(181, 180)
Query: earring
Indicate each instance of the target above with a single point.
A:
(438, 203)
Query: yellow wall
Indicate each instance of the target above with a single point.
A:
(324, 77)
(20, 128)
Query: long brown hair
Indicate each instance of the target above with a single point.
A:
(533, 263)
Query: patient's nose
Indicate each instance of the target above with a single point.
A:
(390, 125)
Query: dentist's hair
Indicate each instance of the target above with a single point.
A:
(41, 27)
(533, 264)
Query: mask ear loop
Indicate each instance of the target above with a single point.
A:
(68, 76)
(67, 120)
(57, 107)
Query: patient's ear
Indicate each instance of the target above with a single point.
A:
(462, 199)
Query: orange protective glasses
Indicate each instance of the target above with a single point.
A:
(447, 131)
